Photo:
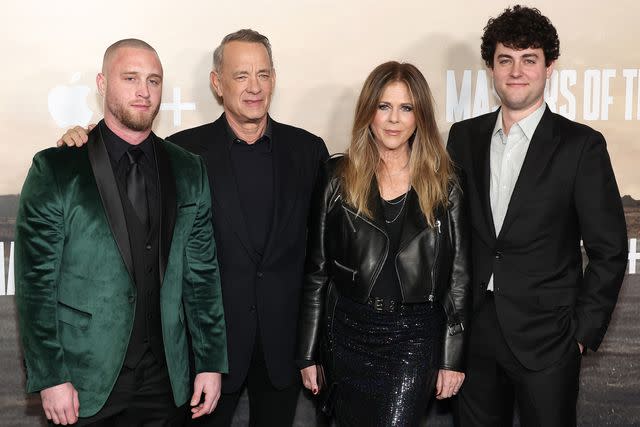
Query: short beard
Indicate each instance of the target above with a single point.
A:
(137, 123)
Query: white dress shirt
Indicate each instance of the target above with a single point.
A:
(507, 155)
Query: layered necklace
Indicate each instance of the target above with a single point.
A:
(402, 200)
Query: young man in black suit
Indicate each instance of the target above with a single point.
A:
(537, 184)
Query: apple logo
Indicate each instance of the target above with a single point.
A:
(68, 104)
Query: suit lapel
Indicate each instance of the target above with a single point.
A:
(110, 196)
(286, 178)
(543, 145)
(167, 196)
(224, 187)
(482, 167)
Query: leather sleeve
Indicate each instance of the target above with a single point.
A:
(457, 299)
(316, 277)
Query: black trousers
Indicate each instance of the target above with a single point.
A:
(495, 378)
(140, 397)
(268, 406)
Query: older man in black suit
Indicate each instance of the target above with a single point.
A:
(262, 174)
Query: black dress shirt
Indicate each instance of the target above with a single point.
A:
(252, 166)
(117, 149)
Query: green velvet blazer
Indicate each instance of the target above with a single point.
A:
(74, 288)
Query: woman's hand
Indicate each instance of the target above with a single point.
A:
(448, 383)
(310, 378)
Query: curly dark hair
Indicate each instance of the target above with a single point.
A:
(520, 27)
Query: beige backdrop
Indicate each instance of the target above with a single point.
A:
(323, 50)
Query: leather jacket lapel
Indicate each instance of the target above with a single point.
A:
(414, 220)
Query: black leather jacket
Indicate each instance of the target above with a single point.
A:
(346, 253)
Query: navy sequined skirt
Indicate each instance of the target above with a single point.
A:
(384, 364)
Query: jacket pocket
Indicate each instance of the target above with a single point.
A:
(186, 209)
(558, 298)
(343, 274)
(72, 316)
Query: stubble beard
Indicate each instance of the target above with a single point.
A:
(138, 122)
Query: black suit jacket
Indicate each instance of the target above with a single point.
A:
(566, 191)
(262, 294)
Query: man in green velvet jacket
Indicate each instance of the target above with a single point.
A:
(103, 282)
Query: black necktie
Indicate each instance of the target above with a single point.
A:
(136, 188)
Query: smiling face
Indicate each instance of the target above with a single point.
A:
(519, 77)
(394, 121)
(131, 84)
(245, 82)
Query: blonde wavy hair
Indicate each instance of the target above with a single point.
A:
(430, 167)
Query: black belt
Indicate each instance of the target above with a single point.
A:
(390, 305)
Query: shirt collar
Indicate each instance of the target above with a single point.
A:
(118, 147)
(528, 125)
(233, 139)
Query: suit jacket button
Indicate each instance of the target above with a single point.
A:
(259, 274)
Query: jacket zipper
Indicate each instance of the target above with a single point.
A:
(395, 266)
(386, 247)
(332, 317)
(434, 269)
(347, 269)
(353, 228)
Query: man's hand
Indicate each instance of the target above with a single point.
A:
(581, 347)
(310, 378)
(448, 383)
(61, 404)
(208, 383)
(75, 137)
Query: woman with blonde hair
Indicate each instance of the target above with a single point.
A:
(388, 270)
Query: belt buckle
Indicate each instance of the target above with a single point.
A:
(392, 306)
